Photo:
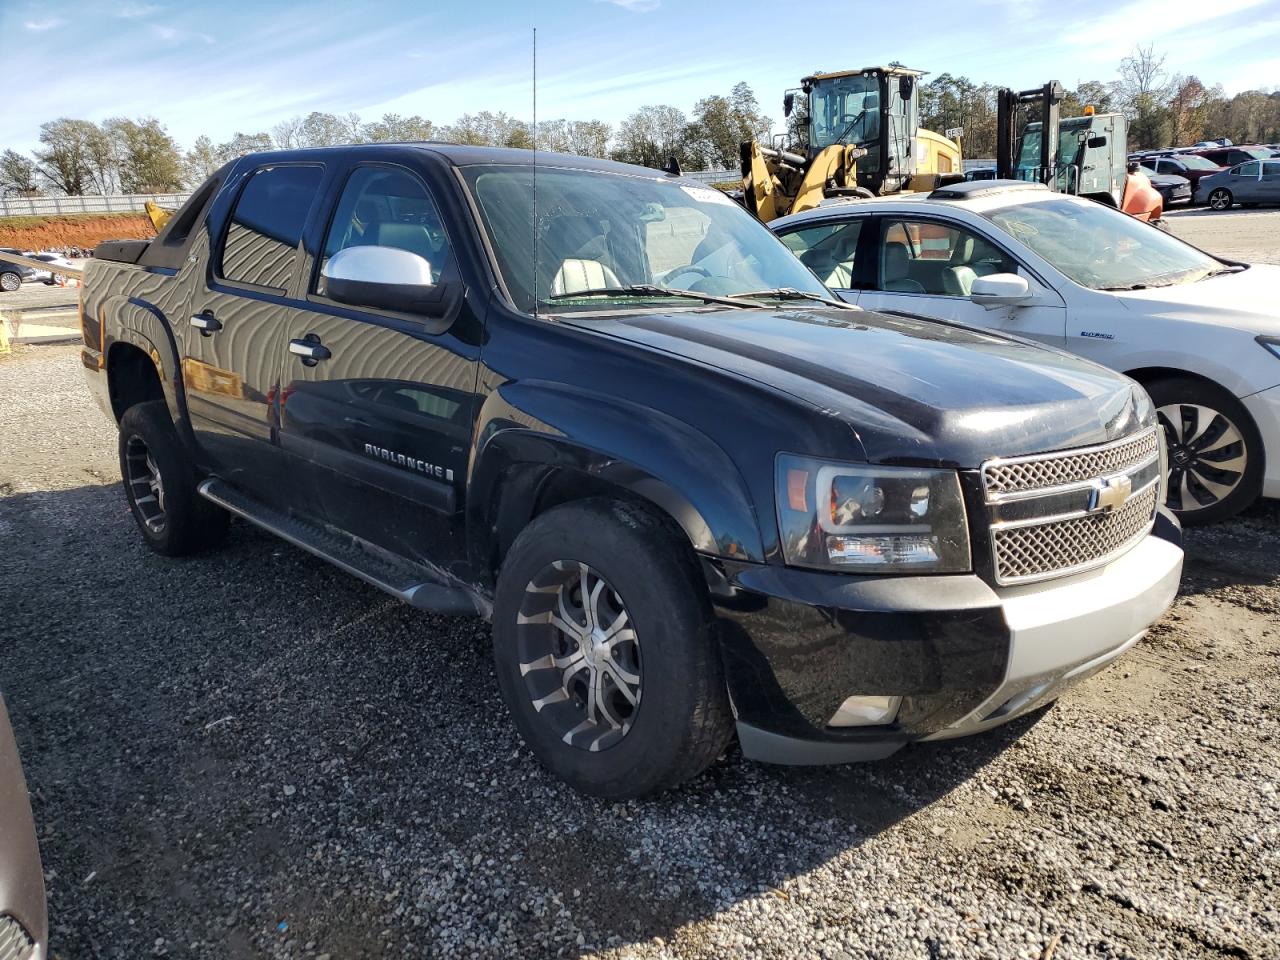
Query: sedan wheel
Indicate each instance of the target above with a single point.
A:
(1207, 456)
(1220, 199)
(10, 282)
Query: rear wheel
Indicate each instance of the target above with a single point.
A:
(605, 651)
(1215, 451)
(160, 485)
(1220, 199)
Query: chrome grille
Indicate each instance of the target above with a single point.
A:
(1059, 513)
(1045, 549)
(1069, 466)
(14, 942)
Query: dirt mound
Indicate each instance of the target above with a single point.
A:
(45, 233)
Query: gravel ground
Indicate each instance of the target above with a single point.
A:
(250, 754)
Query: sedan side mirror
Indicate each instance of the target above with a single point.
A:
(386, 278)
(1000, 290)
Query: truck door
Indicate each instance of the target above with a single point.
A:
(233, 334)
(382, 420)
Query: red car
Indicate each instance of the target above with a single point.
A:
(1193, 166)
(1230, 156)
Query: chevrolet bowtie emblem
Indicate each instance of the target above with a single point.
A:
(1109, 493)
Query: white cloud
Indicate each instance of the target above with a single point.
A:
(39, 26)
(635, 6)
(173, 34)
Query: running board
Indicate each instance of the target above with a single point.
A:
(400, 578)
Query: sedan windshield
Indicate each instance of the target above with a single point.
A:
(618, 240)
(1099, 247)
(1193, 162)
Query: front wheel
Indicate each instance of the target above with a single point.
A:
(10, 282)
(606, 653)
(1220, 199)
(1215, 450)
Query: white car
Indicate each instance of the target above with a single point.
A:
(1202, 334)
(51, 275)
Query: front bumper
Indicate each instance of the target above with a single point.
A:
(964, 656)
(1264, 407)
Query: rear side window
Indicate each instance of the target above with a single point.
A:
(262, 239)
(1271, 168)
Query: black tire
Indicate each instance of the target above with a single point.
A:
(682, 720)
(1222, 470)
(1220, 199)
(9, 281)
(174, 519)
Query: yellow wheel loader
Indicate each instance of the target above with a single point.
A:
(857, 134)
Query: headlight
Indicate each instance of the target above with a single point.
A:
(870, 519)
(1271, 343)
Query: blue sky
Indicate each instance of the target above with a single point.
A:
(216, 68)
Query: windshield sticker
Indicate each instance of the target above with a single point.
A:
(706, 194)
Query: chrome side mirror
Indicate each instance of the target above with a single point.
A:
(1000, 290)
(385, 278)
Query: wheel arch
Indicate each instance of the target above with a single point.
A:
(544, 445)
(132, 323)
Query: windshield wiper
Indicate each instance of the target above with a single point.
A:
(1233, 268)
(791, 293)
(650, 290)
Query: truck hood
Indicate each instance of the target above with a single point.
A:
(1245, 300)
(913, 391)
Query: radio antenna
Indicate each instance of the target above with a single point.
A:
(535, 171)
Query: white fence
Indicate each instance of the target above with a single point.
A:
(55, 206)
(713, 176)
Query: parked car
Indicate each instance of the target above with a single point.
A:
(51, 276)
(13, 275)
(689, 488)
(1192, 166)
(1230, 156)
(980, 173)
(1249, 184)
(1199, 332)
(1172, 188)
(24, 931)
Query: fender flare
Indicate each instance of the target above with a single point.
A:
(646, 452)
(136, 322)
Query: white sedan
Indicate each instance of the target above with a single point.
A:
(1202, 334)
(54, 260)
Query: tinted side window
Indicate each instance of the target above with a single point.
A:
(266, 226)
(1271, 168)
(387, 207)
(1250, 169)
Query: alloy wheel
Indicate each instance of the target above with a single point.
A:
(1220, 200)
(146, 486)
(1207, 456)
(10, 282)
(579, 655)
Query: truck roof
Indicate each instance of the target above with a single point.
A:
(461, 155)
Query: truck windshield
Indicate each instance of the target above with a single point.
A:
(1101, 248)
(1070, 137)
(845, 110)
(599, 230)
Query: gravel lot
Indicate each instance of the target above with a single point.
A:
(250, 754)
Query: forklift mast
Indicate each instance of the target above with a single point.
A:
(1011, 122)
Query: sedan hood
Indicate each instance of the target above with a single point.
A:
(913, 391)
(1243, 301)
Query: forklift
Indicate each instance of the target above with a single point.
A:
(1084, 156)
(857, 135)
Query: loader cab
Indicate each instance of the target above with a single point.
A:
(876, 108)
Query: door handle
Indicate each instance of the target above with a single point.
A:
(206, 323)
(310, 349)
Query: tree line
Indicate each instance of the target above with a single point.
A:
(1164, 109)
(119, 155)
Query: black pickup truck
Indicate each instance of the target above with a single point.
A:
(605, 408)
